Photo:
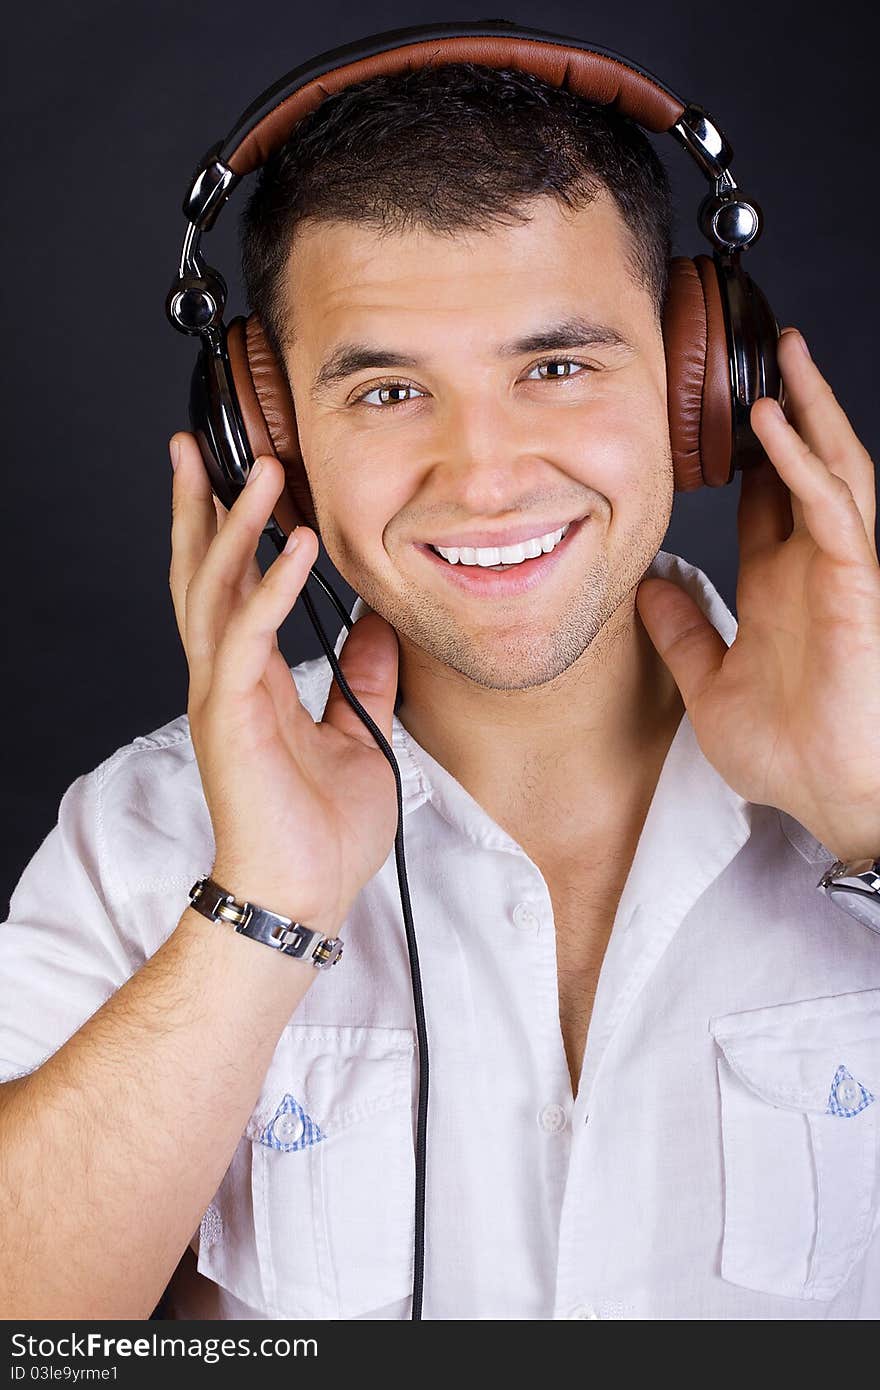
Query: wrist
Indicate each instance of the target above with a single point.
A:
(280, 933)
(254, 885)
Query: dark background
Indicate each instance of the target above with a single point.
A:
(108, 108)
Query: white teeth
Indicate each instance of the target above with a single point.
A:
(504, 555)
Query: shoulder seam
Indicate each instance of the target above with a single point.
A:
(100, 775)
(150, 741)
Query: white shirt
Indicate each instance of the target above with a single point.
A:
(720, 1159)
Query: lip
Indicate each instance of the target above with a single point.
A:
(488, 540)
(487, 583)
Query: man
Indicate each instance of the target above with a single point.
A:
(640, 1010)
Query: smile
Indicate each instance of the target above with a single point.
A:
(475, 571)
(502, 556)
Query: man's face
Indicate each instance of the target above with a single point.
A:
(482, 431)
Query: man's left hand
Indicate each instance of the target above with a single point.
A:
(789, 714)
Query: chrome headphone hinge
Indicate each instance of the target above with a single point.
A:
(710, 147)
(211, 186)
(729, 219)
(197, 298)
(192, 262)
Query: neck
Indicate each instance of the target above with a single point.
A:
(563, 765)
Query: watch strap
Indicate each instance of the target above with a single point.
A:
(260, 924)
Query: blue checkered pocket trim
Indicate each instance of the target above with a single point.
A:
(290, 1128)
(848, 1097)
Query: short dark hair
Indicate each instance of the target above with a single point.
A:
(446, 148)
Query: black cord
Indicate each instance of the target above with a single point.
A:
(418, 1002)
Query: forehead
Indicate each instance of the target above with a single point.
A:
(343, 277)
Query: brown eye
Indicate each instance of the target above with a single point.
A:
(389, 393)
(553, 367)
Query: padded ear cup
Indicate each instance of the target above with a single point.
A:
(268, 415)
(698, 380)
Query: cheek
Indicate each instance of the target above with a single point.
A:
(358, 488)
(617, 447)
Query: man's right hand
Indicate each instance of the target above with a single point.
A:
(304, 813)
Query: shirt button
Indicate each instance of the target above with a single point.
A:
(289, 1128)
(583, 1311)
(552, 1118)
(848, 1094)
(525, 917)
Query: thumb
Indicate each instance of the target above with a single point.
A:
(368, 661)
(689, 644)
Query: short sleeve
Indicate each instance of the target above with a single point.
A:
(61, 956)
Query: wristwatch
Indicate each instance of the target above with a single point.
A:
(282, 933)
(856, 888)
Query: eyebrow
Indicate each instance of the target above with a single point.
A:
(573, 332)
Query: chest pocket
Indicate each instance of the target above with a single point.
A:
(314, 1218)
(800, 1098)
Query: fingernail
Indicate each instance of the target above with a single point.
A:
(799, 339)
(174, 450)
(255, 472)
(293, 541)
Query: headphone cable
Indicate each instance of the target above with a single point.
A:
(277, 537)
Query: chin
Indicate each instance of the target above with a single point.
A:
(510, 651)
(528, 661)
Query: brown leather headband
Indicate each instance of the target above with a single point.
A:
(592, 76)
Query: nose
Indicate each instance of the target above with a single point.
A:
(487, 453)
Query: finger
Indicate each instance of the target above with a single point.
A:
(213, 593)
(369, 663)
(249, 638)
(289, 710)
(821, 421)
(253, 574)
(829, 509)
(797, 510)
(764, 513)
(688, 642)
(193, 522)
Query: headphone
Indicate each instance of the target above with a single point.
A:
(719, 332)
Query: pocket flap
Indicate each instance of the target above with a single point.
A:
(818, 1056)
(331, 1076)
